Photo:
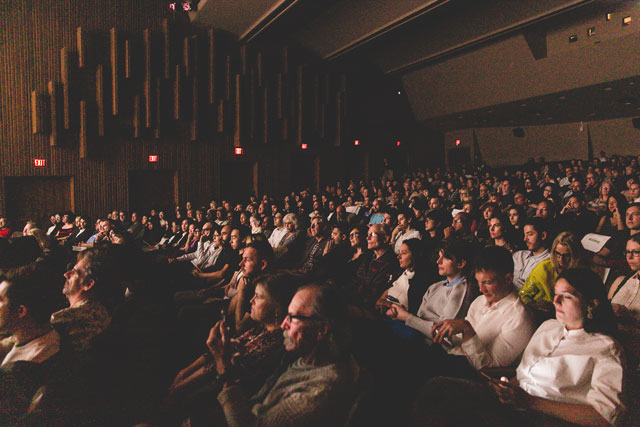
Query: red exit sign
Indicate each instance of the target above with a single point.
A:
(39, 163)
(153, 159)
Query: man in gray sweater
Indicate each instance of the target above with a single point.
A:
(318, 388)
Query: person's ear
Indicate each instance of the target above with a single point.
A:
(264, 263)
(461, 264)
(22, 311)
(543, 236)
(323, 331)
(88, 284)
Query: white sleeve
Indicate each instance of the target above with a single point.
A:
(605, 395)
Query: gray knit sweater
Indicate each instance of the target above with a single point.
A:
(304, 395)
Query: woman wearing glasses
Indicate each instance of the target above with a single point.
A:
(566, 253)
(625, 291)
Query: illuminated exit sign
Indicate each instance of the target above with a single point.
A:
(153, 159)
(39, 163)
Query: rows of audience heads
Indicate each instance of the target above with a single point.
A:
(330, 277)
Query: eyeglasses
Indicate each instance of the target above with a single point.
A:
(457, 221)
(632, 254)
(354, 234)
(563, 256)
(632, 214)
(300, 318)
(371, 235)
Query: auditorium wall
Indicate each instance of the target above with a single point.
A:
(32, 36)
(499, 146)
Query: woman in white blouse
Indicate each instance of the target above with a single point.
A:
(572, 369)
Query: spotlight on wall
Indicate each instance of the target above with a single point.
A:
(626, 20)
(304, 146)
(238, 151)
(356, 142)
(458, 142)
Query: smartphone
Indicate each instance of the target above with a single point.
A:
(393, 299)
(445, 340)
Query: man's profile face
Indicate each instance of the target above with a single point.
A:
(250, 265)
(300, 332)
(633, 218)
(532, 238)
(375, 237)
(76, 279)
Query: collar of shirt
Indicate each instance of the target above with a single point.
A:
(454, 281)
(504, 302)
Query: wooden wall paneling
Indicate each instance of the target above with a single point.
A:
(285, 60)
(243, 60)
(316, 101)
(345, 98)
(212, 68)
(323, 121)
(279, 96)
(100, 99)
(265, 114)
(64, 75)
(53, 113)
(195, 111)
(325, 88)
(177, 93)
(299, 98)
(220, 115)
(83, 147)
(252, 104)
(259, 68)
(227, 81)
(37, 110)
(186, 56)
(338, 140)
(238, 113)
(128, 66)
(137, 132)
(146, 37)
(113, 43)
(81, 46)
(158, 110)
(166, 49)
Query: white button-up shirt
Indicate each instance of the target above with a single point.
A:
(405, 235)
(523, 263)
(629, 296)
(502, 332)
(574, 367)
(276, 235)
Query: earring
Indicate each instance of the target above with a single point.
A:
(590, 312)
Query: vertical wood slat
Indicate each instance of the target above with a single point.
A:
(83, 148)
(220, 127)
(194, 94)
(186, 56)
(136, 116)
(113, 40)
(243, 59)
(252, 104)
(81, 45)
(166, 49)
(259, 67)
(177, 93)
(64, 75)
(127, 59)
(227, 82)
(100, 98)
(238, 119)
(338, 140)
(36, 113)
(279, 96)
(265, 114)
(53, 111)
(211, 70)
(316, 101)
(158, 111)
(285, 60)
(146, 36)
(299, 109)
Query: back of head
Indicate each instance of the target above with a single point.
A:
(494, 258)
(105, 267)
(31, 287)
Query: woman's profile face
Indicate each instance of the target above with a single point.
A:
(261, 305)
(495, 228)
(612, 204)
(355, 239)
(405, 258)
(632, 255)
(569, 304)
(514, 216)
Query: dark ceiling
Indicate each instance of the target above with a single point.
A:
(408, 39)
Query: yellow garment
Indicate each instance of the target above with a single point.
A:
(539, 284)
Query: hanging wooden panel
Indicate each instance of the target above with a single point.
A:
(81, 46)
(53, 111)
(64, 75)
(113, 40)
(211, 70)
(100, 99)
(83, 148)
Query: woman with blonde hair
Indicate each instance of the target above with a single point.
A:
(566, 253)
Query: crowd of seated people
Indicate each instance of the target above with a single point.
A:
(500, 295)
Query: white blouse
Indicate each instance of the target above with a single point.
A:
(574, 367)
(629, 296)
(400, 288)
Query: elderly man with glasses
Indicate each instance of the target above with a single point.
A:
(318, 388)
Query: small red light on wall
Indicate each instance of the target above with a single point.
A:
(397, 143)
(153, 159)
(458, 142)
(39, 163)
(356, 142)
(238, 151)
(172, 6)
(304, 146)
